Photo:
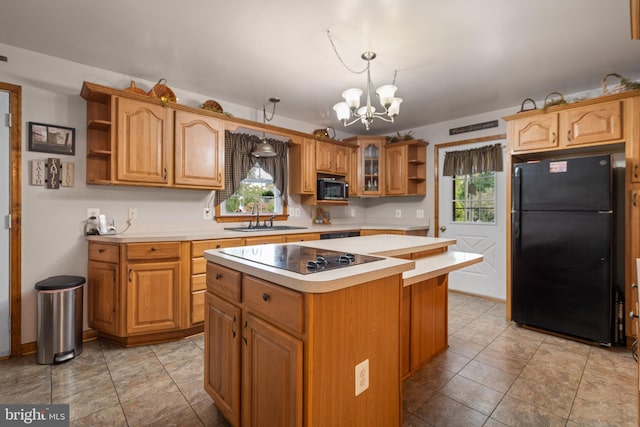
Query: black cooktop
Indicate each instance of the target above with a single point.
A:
(299, 259)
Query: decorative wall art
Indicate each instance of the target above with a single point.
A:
(52, 139)
(53, 172)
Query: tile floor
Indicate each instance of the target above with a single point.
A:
(493, 374)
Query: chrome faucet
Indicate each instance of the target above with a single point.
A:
(256, 210)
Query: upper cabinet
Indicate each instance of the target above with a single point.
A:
(370, 165)
(199, 150)
(135, 140)
(332, 158)
(143, 142)
(595, 123)
(302, 167)
(406, 168)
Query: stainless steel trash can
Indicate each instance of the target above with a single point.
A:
(59, 318)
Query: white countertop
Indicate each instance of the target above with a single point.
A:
(331, 280)
(220, 233)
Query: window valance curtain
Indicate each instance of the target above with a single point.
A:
(238, 161)
(476, 160)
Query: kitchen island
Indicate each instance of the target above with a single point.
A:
(329, 347)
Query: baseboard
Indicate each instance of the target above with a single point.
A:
(31, 347)
(484, 297)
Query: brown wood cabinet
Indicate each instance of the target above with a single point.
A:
(406, 168)
(302, 167)
(332, 158)
(222, 356)
(198, 273)
(426, 307)
(138, 292)
(104, 287)
(593, 123)
(634, 249)
(143, 142)
(297, 364)
(371, 164)
(137, 140)
(199, 151)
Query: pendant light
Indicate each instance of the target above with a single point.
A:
(264, 149)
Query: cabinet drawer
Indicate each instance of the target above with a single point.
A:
(197, 307)
(104, 252)
(198, 265)
(223, 281)
(198, 282)
(156, 250)
(199, 246)
(281, 306)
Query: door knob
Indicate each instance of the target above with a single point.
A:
(443, 228)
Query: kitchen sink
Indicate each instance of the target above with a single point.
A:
(266, 228)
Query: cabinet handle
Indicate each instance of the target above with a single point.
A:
(233, 326)
(130, 271)
(244, 333)
(634, 199)
(164, 174)
(153, 248)
(554, 137)
(266, 297)
(218, 276)
(633, 286)
(217, 245)
(219, 177)
(632, 315)
(101, 250)
(635, 171)
(569, 135)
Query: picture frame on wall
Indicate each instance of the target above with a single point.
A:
(52, 139)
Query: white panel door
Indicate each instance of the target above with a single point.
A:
(487, 278)
(5, 155)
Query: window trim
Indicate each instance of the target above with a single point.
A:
(495, 201)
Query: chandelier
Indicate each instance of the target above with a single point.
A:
(350, 109)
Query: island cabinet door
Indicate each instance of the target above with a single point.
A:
(271, 376)
(222, 335)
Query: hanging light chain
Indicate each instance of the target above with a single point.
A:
(351, 70)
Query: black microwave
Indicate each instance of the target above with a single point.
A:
(332, 189)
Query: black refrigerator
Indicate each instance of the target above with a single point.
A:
(562, 230)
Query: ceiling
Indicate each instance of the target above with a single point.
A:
(454, 58)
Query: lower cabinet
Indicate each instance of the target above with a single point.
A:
(222, 356)
(278, 357)
(424, 322)
(153, 297)
(271, 376)
(137, 292)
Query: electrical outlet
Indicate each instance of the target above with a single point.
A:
(353, 211)
(133, 214)
(93, 212)
(206, 213)
(398, 213)
(362, 376)
(420, 213)
(296, 212)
